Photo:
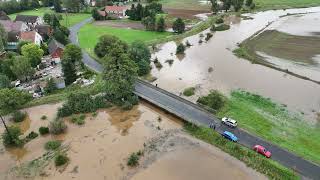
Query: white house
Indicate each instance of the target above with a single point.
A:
(31, 36)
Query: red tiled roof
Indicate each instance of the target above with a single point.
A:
(28, 36)
(115, 8)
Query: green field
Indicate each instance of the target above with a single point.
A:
(89, 35)
(184, 4)
(274, 123)
(279, 4)
(67, 21)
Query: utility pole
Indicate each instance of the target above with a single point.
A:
(4, 123)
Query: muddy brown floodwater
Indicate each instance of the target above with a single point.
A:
(99, 149)
(212, 65)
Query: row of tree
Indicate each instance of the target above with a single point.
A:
(227, 4)
(14, 6)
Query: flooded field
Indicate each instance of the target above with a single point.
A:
(99, 149)
(212, 65)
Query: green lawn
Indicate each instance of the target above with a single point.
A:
(89, 35)
(274, 123)
(73, 18)
(184, 4)
(278, 4)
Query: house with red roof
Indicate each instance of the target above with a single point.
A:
(115, 11)
(31, 36)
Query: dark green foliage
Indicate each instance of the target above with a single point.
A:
(4, 81)
(13, 138)
(95, 14)
(44, 117)
(214, 100)
(57, 6)
(252, 159)
(51, 86)
(52, 19)
(178, 26)
(31, 135)
(249, 2)
(78, 119)
(133, 160)
(108, 42)
(82, 103)
(237, 4)
(43, 130)
(69, 70)
(52, 145)
(61, 160)
(149, 22)
(213, 28)
(189, 91)
(60, 36)
(180, 49)
(139, 12)
(222, 27)
(18, 116)
(57, 126)
(208, 36)
(161, 25)
(5, 67)
(219, 20)
(12, 99)
(20, 44)
(140, 54)
(3, 37)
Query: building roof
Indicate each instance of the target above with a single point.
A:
(11, 26)
(115, 8)
(54, 45)
(43, 29)
(28, 36)
(27, 18)
(3, 16)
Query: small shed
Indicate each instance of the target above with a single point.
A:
(55, 50)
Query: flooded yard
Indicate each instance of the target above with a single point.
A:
(99, 149)
(212, 65)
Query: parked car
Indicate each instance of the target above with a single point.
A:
(262, 150)
(229, 122)
(230, 136)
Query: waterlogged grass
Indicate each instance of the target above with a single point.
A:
(274, 123)
(279, 4)
(68, 20)
(266, 166)
(189, 91)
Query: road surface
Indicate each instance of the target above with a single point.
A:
(195, 114)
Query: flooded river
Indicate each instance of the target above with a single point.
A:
(212, 65)
(99, 149)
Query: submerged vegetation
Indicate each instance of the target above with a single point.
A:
(189, 91)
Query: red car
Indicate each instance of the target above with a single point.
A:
(261, 150)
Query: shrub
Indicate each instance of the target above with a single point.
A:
(32, 135)
(57, 126)
(44, 117)
(189, 91)
(180, 49)
(43, 130)
(78, 119)
(133, 160)
(213, 28)
(222, 27)
(52, 145)
(94, 114)
(214, 100)
(127, 106)
(209, 36)
(19, 116)
(61, 160)
(219, 21)
(12, 139)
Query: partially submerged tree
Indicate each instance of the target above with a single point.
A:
(178, 26)
(12, 99)
(22, 68)
(140, 54)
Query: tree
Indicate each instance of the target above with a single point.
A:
(149, 22)
(72, 5)
(95, 14)
(51, 86)
(1, 46)
(57, 6)
(5, 68)
(12, 139)
(106, 42)
(180, 49)
(12, 99)
(226, 5)
(60, 36)
(237, 4)
(47, 3)
(53, 19)
(178, 26)
(74, 54)
(214, 100)
(214, 6)
(249, 3)
(34, 4)
(20, 44)
(161, 25)
(4, 81)
(33, 53)
(3, 36)
(22, 68)
(69, 70)
(120, 74)
(140, 54)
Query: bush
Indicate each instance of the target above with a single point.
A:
(189, 91)
(209, 36)
(219, 21)
(213, 28)
(78, 119)
(52, 145)
(127, 106)
(180, 49)
(57, 126)
(133, 160)
(18, 116)
(12, 139)
(214, 100)
(44, 117)
(61, 160)
(43, 130)
(222, 27)
(31, 135)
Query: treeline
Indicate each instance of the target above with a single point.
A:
(237, 5)
(13, 6)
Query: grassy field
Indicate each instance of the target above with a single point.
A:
(274, 123)
(67, 21)
(279, 4)
(89, 35)
(184, 4)
(266, 166)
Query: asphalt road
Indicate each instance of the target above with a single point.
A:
(195, 114)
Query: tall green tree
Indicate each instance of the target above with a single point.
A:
(178, 26)
(140, 54)
(33, 53)
(120, 74)
(149, 22)
(74, 54)
(3, 35)
(57, 6)
(5, 68)
(95, 14)
(226, 4)
(72, 5)
(105, 44)
(12, 99)
(237, 4)
(4, 81)
(22, 68)
(161, 24)
(214, 6)
(69, 70)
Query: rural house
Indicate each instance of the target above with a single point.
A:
(31, 36)
(44, 30)
(55, 50)
(4, 16)
(116, 11)
(31, 21)
(10, 26)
